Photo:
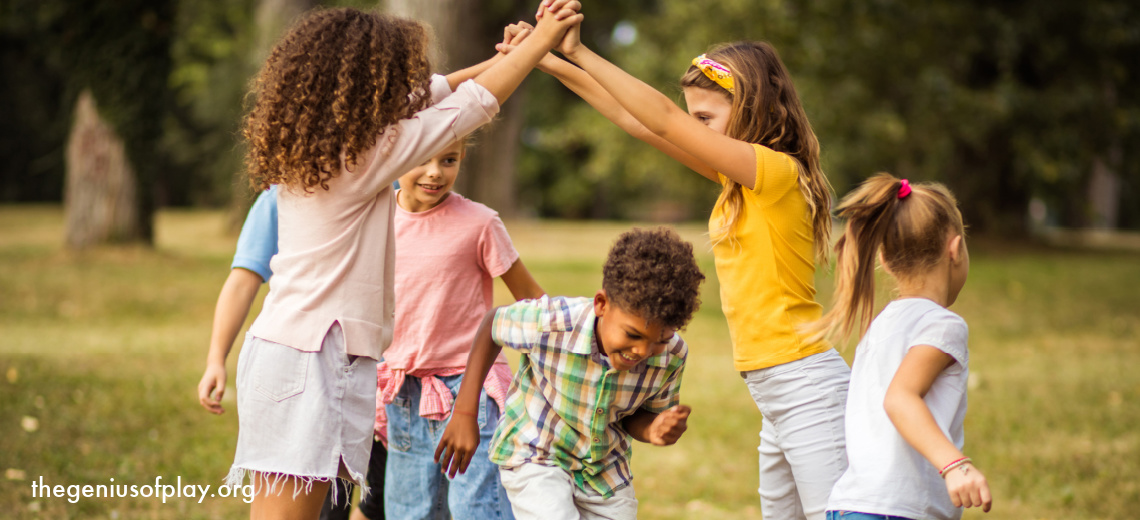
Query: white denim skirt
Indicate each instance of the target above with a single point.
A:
(301, 413)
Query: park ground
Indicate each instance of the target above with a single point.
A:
(101, 352)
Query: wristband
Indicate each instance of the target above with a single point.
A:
(958, 463)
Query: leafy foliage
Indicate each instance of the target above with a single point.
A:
(1005, 102)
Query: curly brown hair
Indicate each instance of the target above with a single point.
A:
(327, 92)
(653, 273)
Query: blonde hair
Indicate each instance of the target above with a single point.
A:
(766, 110)
(908, 234)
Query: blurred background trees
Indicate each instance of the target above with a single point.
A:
(1023, 108)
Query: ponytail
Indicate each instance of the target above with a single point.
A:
(906, 224)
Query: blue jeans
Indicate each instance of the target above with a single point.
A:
(415, 486)
(851, 515)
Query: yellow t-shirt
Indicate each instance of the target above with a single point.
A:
(766, 268)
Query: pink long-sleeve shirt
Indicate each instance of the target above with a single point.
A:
(336, 254)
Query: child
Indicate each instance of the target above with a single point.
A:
(908, 384)
(747, 131)
(341, 109)
(592, 375)
(250, 269)
(449, 250)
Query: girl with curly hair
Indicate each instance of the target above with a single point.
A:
(747, 131)
(344, 105)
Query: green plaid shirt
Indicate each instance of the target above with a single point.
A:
(566, 403)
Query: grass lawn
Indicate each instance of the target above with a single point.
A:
(101, 352)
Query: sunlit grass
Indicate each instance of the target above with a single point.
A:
(104, 348)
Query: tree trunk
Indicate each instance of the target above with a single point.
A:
(463, 36)
(101, 192)
(1105, 183)
(272, 18)
(1104, 195)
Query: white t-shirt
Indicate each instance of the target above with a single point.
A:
(885, 475)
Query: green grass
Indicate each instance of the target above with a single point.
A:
(104, 349)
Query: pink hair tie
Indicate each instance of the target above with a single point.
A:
(904, 190)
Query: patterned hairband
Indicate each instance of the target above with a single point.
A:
(716, 72)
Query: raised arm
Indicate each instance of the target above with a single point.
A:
(657, 113)
(459, 76)
(591, 92)
(907, 410)
(461, 437)
(505, 75)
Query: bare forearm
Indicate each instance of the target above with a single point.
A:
(459, 76)
(234, 301)
(582, 84)
(916, 425)
(484, 351)
(502, 78)
(593, 93)
(650, 107)
(638, 424)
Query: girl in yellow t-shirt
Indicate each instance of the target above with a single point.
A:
(746, 130)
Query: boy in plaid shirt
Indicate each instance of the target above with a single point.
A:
(593, 374)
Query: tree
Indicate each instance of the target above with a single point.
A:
(1004, 102)
(117, 52)
(101, 194)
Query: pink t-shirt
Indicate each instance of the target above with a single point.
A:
(335, 262)
(446, 261)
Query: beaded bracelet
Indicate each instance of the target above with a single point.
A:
(469, 414)
(960, 462)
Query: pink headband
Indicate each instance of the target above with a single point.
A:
(904, 189)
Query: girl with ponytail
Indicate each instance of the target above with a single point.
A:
(907, 399)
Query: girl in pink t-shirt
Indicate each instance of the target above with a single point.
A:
(344, 105)
(449, 250)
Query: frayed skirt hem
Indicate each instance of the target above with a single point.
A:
(275, 482)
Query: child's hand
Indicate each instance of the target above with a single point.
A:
(555, 17)
(669, 425)
(459, 442)
(211, 389)
(513, 35)
(571, 41)
(968, 488)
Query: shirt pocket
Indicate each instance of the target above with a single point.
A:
(279, 371)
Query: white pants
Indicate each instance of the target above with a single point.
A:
(548, 493)
(802, 442)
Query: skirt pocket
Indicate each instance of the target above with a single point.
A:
(279, 371)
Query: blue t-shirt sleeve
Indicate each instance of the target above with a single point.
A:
(258, 240)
